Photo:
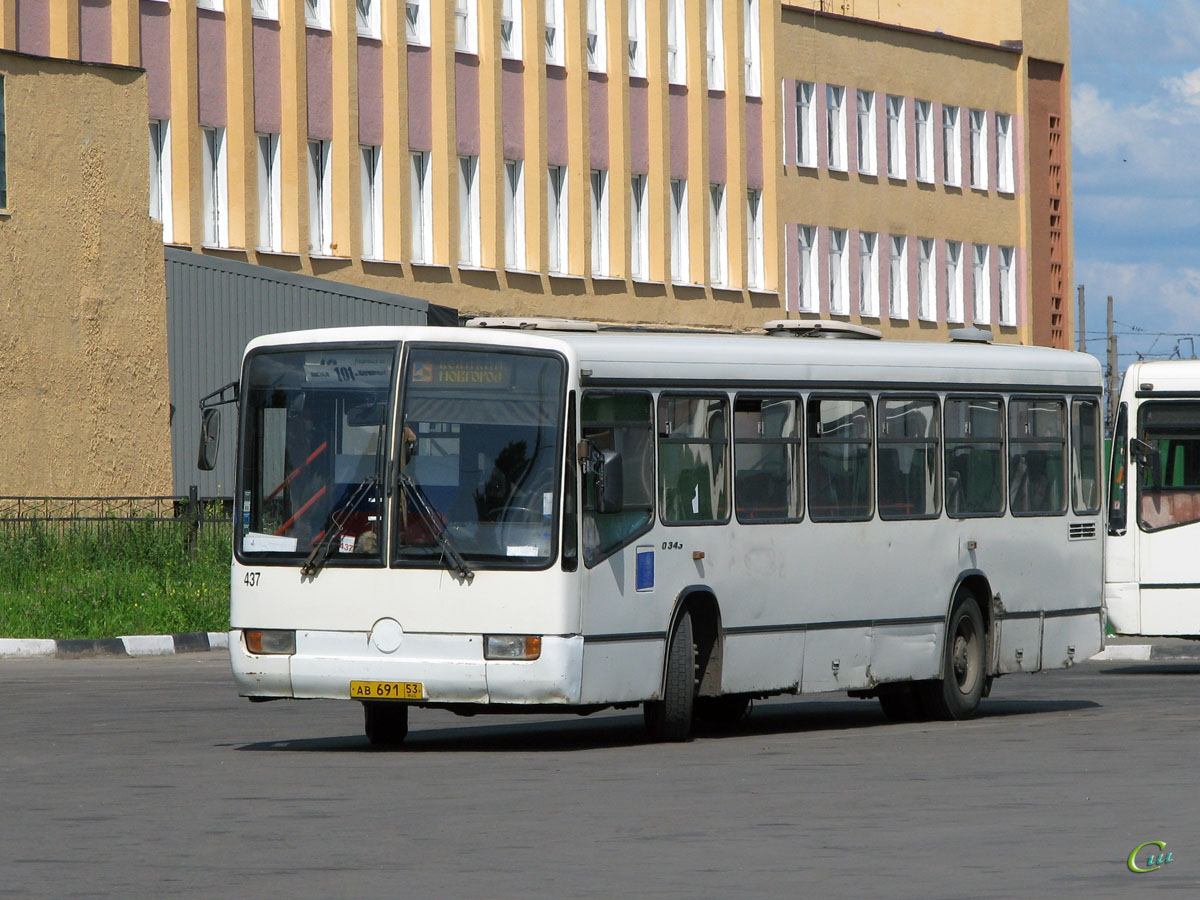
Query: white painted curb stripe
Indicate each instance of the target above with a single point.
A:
(1124, 651)
(218, 640)
(149, 644)
(27, 647)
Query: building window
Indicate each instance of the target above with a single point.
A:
(753, 53)
(926, 281)
(835, 116)
(316, 14)
(367, 17)
(1004, 153)
(514, 213)
(466, 26)
(1008, 286)
(923, 143)
(868, 274)
(270, 232)
(555, 39)
(679, 230)
(806, 124)
(677, 41)
(806, 269)
(416, 22)
(718, 236)
(215, 187)
(979, 143)
(839, 273)
(596, 44)
(981, 287)
(264, 9)
(510, 28)
(556, 218)
(215, 5)
(422, 207)
(754, 240)
(898, 278)
(716, 49)
(599, 222)
(897, 163)
(867, 147)
(161, 207)
(637, 38)
(951, 146)
(469, 252)
(371, 186)
(639, 234)
(954, 281)
(320, 201)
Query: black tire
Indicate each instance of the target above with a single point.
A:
(721, 712)
(386, 722)
(670, 719)
(899, 703)
(956, 695)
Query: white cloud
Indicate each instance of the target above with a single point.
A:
(1185, 88)
(1157, 297)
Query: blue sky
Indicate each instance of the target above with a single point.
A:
(1135, 107)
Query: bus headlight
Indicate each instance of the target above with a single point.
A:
(270, 641)
(511, 646)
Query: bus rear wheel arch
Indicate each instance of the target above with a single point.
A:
(957, 693)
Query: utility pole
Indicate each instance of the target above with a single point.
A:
(1111, 381)
(1082, 323)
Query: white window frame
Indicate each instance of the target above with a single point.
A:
(421, 206)
(715, 36)
(555, 32)
(316, 14)
(752, 43)
(371, 188)
(1004, 153)
(514, 213)
(680, 261)
(416, 22)
(510, 18)
(264, 9)
(954, 282)
(839, 272)
(806, 124)
(951, 145)
(718, 236)
(270, 198)
(557, 250)
(898, 277)
(677, 41)
(637, 38)
(214, 5)
(639, 233)
(979, 147)
(320, 200)
(600, 254)
(926, 279)
(215, 186)
(868, 274)
(596, 42)
(981, 284)
(868, 145)
(470, 248)
(923, 140)
(366, 17)
(755, 264)
(806, 269)
(161, 200)
(466, 26)
(896, 138)
(835, 120)
(1008, 285)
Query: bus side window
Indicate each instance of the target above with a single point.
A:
(974, 429)
(1169, 484)
(1085, 457)
(840, 478)
(622, 422)
(693, 480)
(767, 459)
(909, 466)
(1037, 461)
(1118, 475)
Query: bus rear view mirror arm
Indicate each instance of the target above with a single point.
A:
(1145, 454)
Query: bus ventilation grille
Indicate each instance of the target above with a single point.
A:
(1082, 531)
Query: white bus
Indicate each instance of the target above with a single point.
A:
(557, 517)
(1152, 568)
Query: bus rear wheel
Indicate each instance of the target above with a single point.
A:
(956, 695)
(386, 722)
(670, 719)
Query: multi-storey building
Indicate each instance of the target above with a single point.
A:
(700, 162)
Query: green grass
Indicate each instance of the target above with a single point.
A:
(97, 580)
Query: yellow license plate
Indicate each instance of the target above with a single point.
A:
(387, 690)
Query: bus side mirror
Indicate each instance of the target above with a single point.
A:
(210, 438)
(610, 482)
(1145, 454)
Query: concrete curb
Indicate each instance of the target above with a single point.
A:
(129, 646)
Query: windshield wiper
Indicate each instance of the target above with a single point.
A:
(450, 555)
(337, 519)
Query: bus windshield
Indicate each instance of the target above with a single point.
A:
(480, 460)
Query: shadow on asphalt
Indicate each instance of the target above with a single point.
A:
(614, 731)
(1161, 668)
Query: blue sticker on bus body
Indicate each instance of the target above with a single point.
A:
(645, 568)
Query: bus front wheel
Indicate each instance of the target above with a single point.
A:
(956, 695)
(386, 722)
(670, 719)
